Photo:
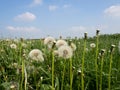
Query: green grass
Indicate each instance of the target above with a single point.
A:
(12, 74)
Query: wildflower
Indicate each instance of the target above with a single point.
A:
(73, 46)
(24, 45)
(16, 40)
(12, 86)
(60, 43)
(13, 46)
(65, 51)
(86, 49)
(92, 45)
(112, 48)
(36, 54)
(49, 41)
(7, 40)
(79, 71)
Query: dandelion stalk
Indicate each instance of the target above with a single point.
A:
(53, 66)
(63, 74)
(83, 57)
(71, 74)
(101, 68)
(110, 67)
(96, 66)
(52, 71)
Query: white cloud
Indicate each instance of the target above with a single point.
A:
(27, 16)
(22, 29)
(113, 11)
(52, 7)
(36, 2)
(66, 6)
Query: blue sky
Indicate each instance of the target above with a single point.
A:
(40, 18)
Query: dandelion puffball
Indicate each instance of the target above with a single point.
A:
(36, 55)
(13, 46)
(92, 45)
(49, 41)
(65, 51)
(61, 43)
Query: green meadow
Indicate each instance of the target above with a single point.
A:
(91, 67)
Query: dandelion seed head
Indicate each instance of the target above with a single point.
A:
(65, 52)
(92, 45)
(61, 43)
(13, 46)
(16, 40)
(36, 54)
(49, 40)
(73, 46)
(24, 45)
(86, 49)
(12, 86)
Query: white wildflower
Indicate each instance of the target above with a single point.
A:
(7, 40)
(61, 43)
(13, 46)
(65, 51)
(12, 86)
(92, 45)
(36, 54)
(73, 46)
(16, 40)
(24, 45)
(49, 41)
(86, 49)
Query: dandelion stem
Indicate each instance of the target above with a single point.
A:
(96, 66)
(63, 74)
(101, 69)
(82, 72)
(71, 74)
(109, 77)
(52, 70)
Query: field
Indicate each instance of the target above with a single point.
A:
(88, 63)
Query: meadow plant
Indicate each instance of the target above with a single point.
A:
(36, 55)
(110, 66)
(60, 43)
(83, 58)
(96, 66)
(101, 66)
(67, 64)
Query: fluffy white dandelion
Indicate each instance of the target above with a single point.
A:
(65, 51)
(49, 41)
(7, 40)
(86, 49)
(92, 45)
(16, 40)
(36, 54)
(73, 46)
(24, 45)
(61, 43)
(13, 46)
